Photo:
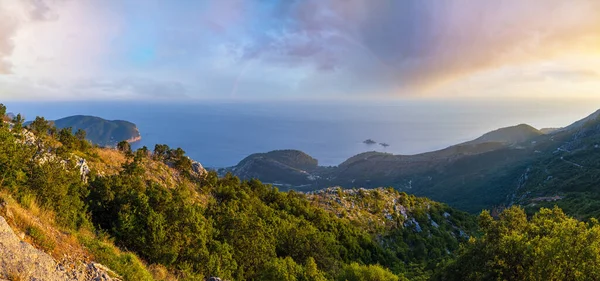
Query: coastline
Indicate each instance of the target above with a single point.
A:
(136, 138)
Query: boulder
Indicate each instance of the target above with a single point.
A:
(197, 168)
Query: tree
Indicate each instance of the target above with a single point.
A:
(40, 126)
(549, 246)
(65, 136)
(282, 269)
(160, 151)
(356, 272)
(2, 114)
(311, 272)
(124, 147)
(18, 122)
(80, 134)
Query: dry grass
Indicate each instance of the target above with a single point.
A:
(41, 230)
(109, 161)
(160, 272)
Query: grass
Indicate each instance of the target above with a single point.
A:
(40, 238)
(41, 230)
(127, 265)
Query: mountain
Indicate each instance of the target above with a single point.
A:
(100, 131)
(509, 135)
(513, 165)
(277, 166)
(374, 169)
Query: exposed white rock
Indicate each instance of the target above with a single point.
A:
(197, 168)
(19, 259)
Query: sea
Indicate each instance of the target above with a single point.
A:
(221, 133)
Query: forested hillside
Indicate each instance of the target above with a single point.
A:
(99, 131)
(191, 225)
(154, 215)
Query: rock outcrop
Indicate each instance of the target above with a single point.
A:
(198, 169)
(21, 261)
(84, 169)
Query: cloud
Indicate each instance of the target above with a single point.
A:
(13, 14)
(132, 87)
(8, 27)
(421, 43)
(307, 48)
(40, 11)
(572, 75)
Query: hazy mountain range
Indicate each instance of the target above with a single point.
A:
(518, 164)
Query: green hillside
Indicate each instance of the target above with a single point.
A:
(513, 165)
(99, 131)
(191, 226)
(148, 215)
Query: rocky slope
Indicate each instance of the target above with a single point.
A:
(20, 260)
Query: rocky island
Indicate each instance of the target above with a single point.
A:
(369, 141)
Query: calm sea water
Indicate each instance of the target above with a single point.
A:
(220, 134)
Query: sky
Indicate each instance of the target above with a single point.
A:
(299, 49)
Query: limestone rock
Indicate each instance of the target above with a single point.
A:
(18, 258)
(197, 168)
(21, 260)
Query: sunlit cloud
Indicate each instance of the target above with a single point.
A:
(298, 48)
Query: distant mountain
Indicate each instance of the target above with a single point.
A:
(279, 166)
(549, 130)
(100, 131)
(509, 135)
(514, 165)
(375, 169)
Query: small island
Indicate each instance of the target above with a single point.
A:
(369, 141)
(384, 144)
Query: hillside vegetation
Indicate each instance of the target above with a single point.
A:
(189, 226)
(153, 215)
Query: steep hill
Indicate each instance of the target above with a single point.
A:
(100, 131)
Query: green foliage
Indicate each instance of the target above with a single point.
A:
(126, 265)
(15, 157)
(40, 126)
(549, 246)
(174, 157)
(356, 272)
(237, 230)
(160, 151)
(2, 111)
(124, 147)
(18, 122)
(60, 190)
(40, 238)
